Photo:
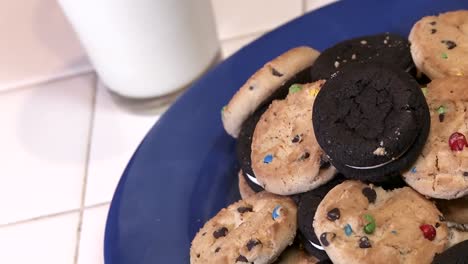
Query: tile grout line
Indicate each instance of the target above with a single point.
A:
(57, 78)
(86, 165)
(62, 213)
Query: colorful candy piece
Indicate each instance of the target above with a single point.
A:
(268, 159)
(444, 56)
(369, 228)
(348, 230)
(276, 212)
(457, 141)
(429, 232)
(295, 88)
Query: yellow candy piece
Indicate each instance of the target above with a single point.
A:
(314, 92)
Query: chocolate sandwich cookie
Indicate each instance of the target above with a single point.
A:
(438, 44)
(372, 120)
(381, 48)
(295, 254)
(253, 230)
(455, 210)
(286, 158)
(244, 189)
(441, 171)
(260, 86)
(360, 223)
(457, 254)
(308, 204)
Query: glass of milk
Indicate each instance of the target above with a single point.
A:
(145, 49)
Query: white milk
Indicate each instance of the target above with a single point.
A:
(145, 48)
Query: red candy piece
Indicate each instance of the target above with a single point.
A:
(428, 231)
(457, 141)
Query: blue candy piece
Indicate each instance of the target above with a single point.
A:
(268, 159)
(394, 232)
(348, 230)
(276, 212)
(413, 170)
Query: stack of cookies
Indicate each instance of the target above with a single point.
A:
(357, 154)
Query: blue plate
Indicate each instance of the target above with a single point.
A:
(185, 169)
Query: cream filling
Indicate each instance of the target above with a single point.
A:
(253, 179)
(379, 165)
(316, 246)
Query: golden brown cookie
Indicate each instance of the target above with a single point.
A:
(358, 223)
(264, 83)
(286, 158)
(439, 44)
(441, 171)
(253, 230)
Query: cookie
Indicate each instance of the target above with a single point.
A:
(296, 255)
(290, 67)
(380, 48)
(244, 189)
(457, 254)
(454, 210)
(438, 44)
(286, 158)
(371, 120)
(441, 171)
(253, 230)
(308, 204)
(359, 223)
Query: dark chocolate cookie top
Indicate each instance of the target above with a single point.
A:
(457, 254)
(368, 115)
(381, 48)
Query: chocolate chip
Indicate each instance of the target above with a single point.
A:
(433, 31)
(324, 162)
(441, 218)
(220, 232)
(324, 238)
(437, 225)
(241, 258)
(364, 242)
(244, 209)
(370, 194)
(441, 117)
(198, 255)
(304, 156)
(450, 44)
(296, 139)
(251, 87)
(433, 23)
(465, 173)
(204, 233)
(333, 214)
(252, 243)
(276, 72)
(217, 249)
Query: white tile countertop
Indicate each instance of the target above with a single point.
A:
(64, 142)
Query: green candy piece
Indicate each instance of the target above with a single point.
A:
(441, 110)
(295, 88)
(424, 90)
(369, 228)
(222, 109)
(444, 56)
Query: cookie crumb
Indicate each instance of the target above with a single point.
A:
(385, 41)
(380, 151)
(337, 64)
(363, 42)
(353, 57)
